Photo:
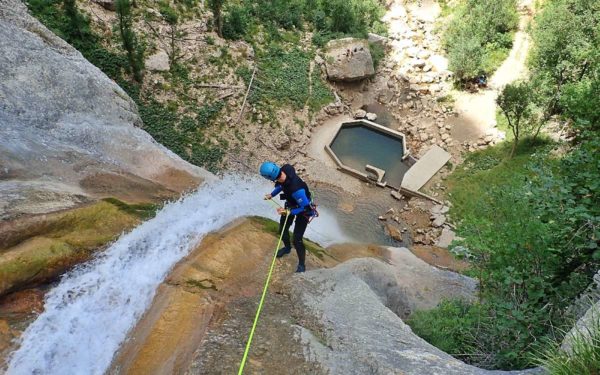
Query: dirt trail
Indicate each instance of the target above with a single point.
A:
(477, 111)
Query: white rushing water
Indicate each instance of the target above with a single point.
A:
(90, 312)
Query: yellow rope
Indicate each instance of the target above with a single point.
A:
(262, 298)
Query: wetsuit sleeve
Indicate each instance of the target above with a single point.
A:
(302, 201)
(277, 190)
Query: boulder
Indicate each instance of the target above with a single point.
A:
(361, 113)
(377, 39)
(352, 316)
(446, 238)
(438, 221)
(371, 116)
(158, 62)
(348, 59)
(393, 232)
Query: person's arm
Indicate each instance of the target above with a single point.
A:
(302, 201)
(277, 190)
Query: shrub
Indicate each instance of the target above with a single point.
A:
(479, 36)
(235, 23)
(377, 52)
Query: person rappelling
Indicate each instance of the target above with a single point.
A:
(298, 206)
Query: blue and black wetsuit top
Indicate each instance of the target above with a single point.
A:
(295, 192)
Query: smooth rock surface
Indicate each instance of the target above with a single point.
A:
(350, 322)
(64, 125)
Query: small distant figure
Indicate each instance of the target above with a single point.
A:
(482, 80)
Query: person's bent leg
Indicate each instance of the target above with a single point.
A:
(299, 229)
(287, 246)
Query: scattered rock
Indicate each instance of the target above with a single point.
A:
(396, 194)
(393, 232)
(439, 209)
(361, 113)
(438, 221)
(371, 116)
(446, 238)
(382, 218)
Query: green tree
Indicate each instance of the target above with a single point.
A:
(134, 50)
(479, 33)
(515, 101)
(172, 18)
(565, 50)
(217, 7)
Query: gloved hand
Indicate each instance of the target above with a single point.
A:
(282, 211)
(268, 196)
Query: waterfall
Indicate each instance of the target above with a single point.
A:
(90, 312)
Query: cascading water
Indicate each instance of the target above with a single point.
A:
(90, 312)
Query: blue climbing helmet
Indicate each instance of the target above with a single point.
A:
(269, 170)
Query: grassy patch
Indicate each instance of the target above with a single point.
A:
(283, 80)
(485, 168)
(448, 326)
(377, 53)
(583, 359)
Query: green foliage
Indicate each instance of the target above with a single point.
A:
(321, 95)
(329, 19)
(180, 133)
(531, 223)
(480, 36)
(377, 53)
(515, 101)
(565, 58)
(448, 327)
(169, 14)
(236, 22)
(284, 80)
(208, 113)
(134, 50)
(583, 359)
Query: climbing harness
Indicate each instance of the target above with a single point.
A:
(262, 298)
(310, 213)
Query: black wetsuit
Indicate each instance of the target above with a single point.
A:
(298, 199)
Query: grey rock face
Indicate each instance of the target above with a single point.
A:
(583, 329)
(348, 59)
(351, 325)
(62, 120)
